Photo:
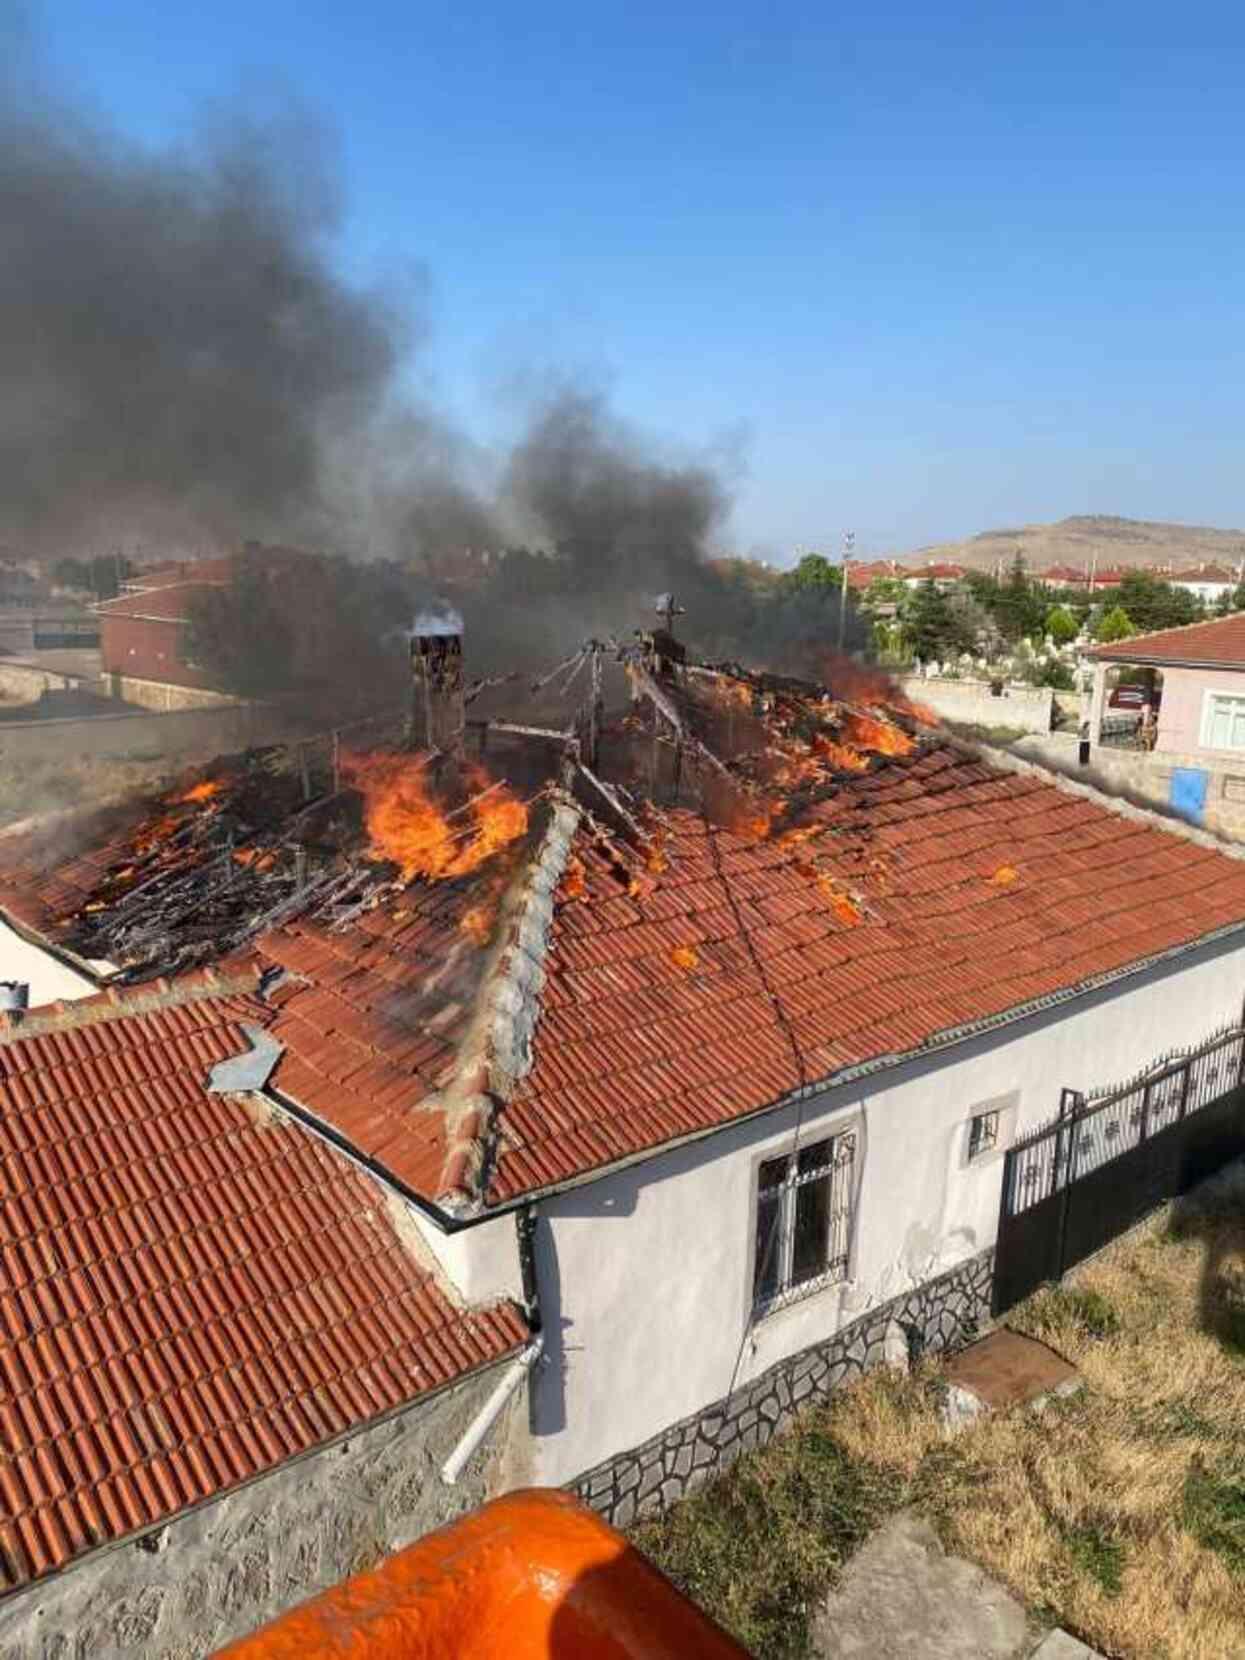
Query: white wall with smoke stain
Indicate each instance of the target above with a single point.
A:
(646, 1275)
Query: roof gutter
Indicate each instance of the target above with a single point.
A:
(1167, 662)
(948, 1039)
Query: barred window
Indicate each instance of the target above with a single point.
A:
(983, 1134)
(804, 1218)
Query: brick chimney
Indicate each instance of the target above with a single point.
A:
(437, 678)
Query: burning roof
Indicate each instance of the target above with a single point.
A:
(497, 966)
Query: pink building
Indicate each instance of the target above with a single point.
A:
(1194, 678)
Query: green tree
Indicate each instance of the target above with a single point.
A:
(884, 590)
(1051, 672)
(1114, 624)
(932, 627)
(1061, 625)
(814, 571)
(1020, 605)
(1152, 603)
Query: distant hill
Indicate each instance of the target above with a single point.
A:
(1077, 541)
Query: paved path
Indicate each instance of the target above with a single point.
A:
(902, 1596)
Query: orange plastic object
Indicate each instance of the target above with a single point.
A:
(534, 1574)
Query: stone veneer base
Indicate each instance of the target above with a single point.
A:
(944, 1312)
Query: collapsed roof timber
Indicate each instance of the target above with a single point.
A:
(503, 960)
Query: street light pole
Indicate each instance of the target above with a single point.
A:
(849, 542)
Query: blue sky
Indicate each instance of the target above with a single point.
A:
(918, 270)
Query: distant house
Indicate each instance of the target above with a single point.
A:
(1207, 582)
(145, 654)
(1195, 675)
(862, 574)
(1108, 576)
(941, 573)
(1064, 576)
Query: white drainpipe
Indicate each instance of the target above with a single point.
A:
(485, 1418)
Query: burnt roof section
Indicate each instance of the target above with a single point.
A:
(845, 891)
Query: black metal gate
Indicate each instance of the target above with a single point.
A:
(1074, 1185)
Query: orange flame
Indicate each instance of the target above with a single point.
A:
(253, 857)
(685, 957)
(866, 733)
(656, 862)
(575, 882)
(477, 923)
(406, 825)
(917, 711)
(198, 792)
(841, 903)
(152, 833)
(839, 756)
(1004, 876)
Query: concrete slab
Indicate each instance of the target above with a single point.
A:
(1006, 1369)
(1059, 1645)
(902, 1596)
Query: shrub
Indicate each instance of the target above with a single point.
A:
(1065, 1305)
(1097, 1555)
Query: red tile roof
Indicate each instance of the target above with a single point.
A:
(978, 892)
(367, 1042)
(1204, 573)
(927, 894)
(935, 570)
(1219, 643)
(170, 602)
(193, 1291)
(1063, 573)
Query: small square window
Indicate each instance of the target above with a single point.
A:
(983, 1134)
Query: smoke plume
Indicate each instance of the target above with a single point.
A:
(184, 364)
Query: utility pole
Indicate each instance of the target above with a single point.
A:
(849, 542)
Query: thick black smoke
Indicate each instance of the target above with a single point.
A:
(175, 344)
(182, 363)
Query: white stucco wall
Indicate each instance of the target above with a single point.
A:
(480, 1263)
(645, 1275)
(48, 978)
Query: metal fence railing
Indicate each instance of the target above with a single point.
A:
(1109, 1158)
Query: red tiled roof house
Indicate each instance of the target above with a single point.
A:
(727, 1130)
(145, 650)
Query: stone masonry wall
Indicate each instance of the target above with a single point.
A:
(215, 1573)
(938, 1315)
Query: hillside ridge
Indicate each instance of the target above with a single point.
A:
(1077, 540)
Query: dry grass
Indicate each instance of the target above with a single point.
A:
(1120, 1511)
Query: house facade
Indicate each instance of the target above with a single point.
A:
(144, 641)
(1197, 761)
(390, 1209)
(941, 572)
(1208, 583)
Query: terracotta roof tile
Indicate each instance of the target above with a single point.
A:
(141, 1368)
(633, 1050)
(1219, 643)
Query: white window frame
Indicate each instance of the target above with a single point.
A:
(842, 1167)
(1208, 714)
(1004, 1108)
(989, 1140)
